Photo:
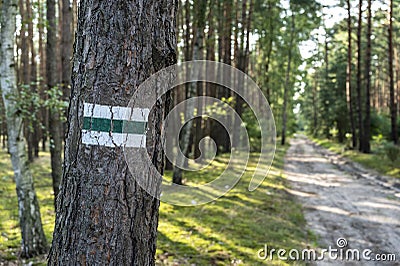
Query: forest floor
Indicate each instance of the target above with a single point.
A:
(342, 199)
(228, 231)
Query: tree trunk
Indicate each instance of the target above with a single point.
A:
(25, 69)
(103, 216)
(393, 104)
(34, 134)
(66, 48)
(200, 8)
(367, 122)
(359, 96)
(349, 91)
(287, 81)
(43, 75)
(269, 53)
(33, 239)
(55, 125)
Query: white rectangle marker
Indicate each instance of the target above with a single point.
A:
(104, 125)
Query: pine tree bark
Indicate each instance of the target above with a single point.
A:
(103, 216)
(287, 80)
(66, 48)
(33, 239)
(349, 89)
(55, 125)
(43, 76)
(200, 7)
(34, 134)
(359, 96)
(393, 104)
(367, 121)
(25, 68)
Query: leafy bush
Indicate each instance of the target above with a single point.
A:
(380, 125)
(392, 151)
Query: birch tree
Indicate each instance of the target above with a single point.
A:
(33, 239)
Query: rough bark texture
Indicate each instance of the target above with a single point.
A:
(42, 74)
(359, 81)
(66, 47)
(367, 120)
(393, 104)
(34, 134)
(200, 7)
(103, 216)
(33, 239)
(55, 125)
(287, 81)
(349, 90)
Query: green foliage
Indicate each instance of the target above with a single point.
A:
(29, 103)
(55, 101)
(372, 161)
(253, 130)
(380, 125)
(392, 151)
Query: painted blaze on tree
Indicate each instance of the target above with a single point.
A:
(103, 215)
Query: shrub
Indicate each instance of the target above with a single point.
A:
(392, 151)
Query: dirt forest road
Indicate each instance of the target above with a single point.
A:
(343, 200)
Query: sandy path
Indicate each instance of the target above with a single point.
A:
(342, 201)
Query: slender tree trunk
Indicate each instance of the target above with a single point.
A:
(349, 90)
(227, 59)
(55, 125)
(66, 48)
(33, 239)
(359, 82)
(210, 55)
(103, 216)
(200, 9)
(269, 53)
(314, 103)
(43, 75)
(198, 133)
(287, 80)
(26, 69)
(367, 122)
(393, 104)
(34, 134)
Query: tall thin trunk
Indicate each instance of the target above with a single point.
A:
(66, 48)
(287, 80)
(34, 134)
(242, 66)
(393, 104)
(33, 239)
(55, 125)
(269, 53)
(349, 90)
(367, 122)
(43, 75)
(314, 103)
(200, 8)
(104, 217)
(359, 96)
(25, 68)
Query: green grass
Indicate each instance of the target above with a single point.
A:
(10, 236)
(377, 160)
(227, 231)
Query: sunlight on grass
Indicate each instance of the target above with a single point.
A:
(232, 229)
(228, 231)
